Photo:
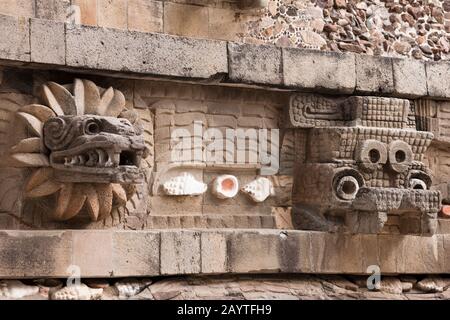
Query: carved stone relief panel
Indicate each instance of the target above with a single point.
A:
(204, 176)
(79, 150)
(363, 169)
(434, 116)
(103, 153)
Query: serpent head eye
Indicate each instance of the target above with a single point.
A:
(92, 127)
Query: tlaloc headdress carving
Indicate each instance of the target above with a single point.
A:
(363, 171)
(85, 147)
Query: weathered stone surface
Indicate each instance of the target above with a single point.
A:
(438, 79)
(112, 13)
(146, 16)
(48, 44)
(251, 252)
(97, 48)
(255, 64)
(323, 71)
(22, 8)
(391, 285)
(88, 11)
(93, 260)
(15, 289)
(52, 9)
(186, 20)
(214, 252)
(134, 253)
(374, 74)
(15, 42)
(421, 255)
(180, 252)
(409, 78)
(236, 287)
(24, 254)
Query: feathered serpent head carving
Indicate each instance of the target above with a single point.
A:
(84, 146)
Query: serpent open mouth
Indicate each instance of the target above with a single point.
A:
(97, 157)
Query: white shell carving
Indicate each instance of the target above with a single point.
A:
(15, 289)
(259, 189)
(225, 186)
(184, 185)
(131, 287)
(77, 292)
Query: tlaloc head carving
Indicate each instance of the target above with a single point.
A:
(363, 170)
(85, 148)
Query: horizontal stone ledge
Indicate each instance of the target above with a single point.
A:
(130, 53)
(112, 253)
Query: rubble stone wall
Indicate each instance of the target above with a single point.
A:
(402, 28)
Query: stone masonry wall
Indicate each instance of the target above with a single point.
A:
(412, 28)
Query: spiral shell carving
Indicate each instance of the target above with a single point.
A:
(184, 185)
(259, 189)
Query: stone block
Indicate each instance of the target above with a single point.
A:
(256, 251)
(444, 226)
(445, 240)
(321, 71)
(336, 257)
(136, 253)
(295, 251)
(112, 14)
(93, 253)
(145, 15)
(35, 253)
(15, 43)
(374, 74)
(422, 255)
(410, 79)
(88, 11)
(21, 8)
(369, 245)
(186, 20)
(235, 24)
(158, 54)
(47, 41)
(214, 252)
(219, 121)
(180, 252)
(52, 9)
(220, 108)
(255, 64)
(390, 253)
(250, 122)
(438, 79)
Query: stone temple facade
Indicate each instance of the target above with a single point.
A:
(245, 149)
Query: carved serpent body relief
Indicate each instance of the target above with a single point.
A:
(82, 149)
